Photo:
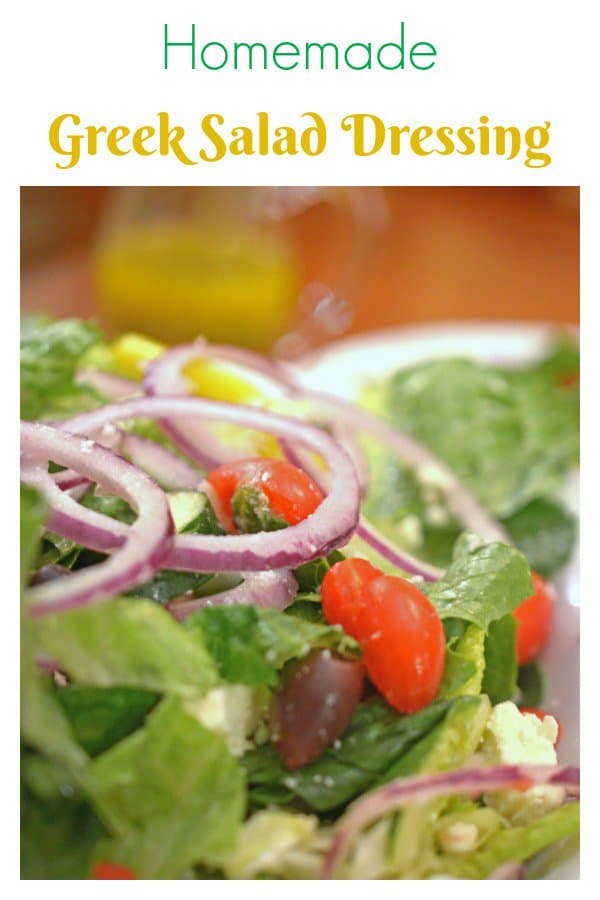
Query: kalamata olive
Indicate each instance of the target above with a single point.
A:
(49, 573)
(313, 706)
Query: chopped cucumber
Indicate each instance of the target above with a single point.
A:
(193, 513)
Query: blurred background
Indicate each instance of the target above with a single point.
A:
(284, 270)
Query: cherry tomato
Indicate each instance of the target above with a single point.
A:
(541, 716)
(108, 871)
(292, 495)
(403, 643)
(534, 621)
(342, 593)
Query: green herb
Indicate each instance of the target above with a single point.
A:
(310, 575)
(168, 584)
(252, 512)
(109, 506)
(250, 645)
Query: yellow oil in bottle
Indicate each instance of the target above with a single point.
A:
(175, 280)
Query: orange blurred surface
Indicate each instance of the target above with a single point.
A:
(447, 254)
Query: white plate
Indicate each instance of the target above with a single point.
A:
(343, 367)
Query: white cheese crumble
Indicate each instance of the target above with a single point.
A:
(515, 737)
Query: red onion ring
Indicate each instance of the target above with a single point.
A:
(329, 527)
(422, 788)
(393, 554)
(265, 589)
(169, 470)
(68, 518)
(110, 386)
(164, 377)
(148, 539)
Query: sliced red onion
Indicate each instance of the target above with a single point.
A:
(329, 527)
(265, 589)
(510, 871)
(394, 554)
(110, 386)
(148, 539)
(165, 377)
(423, 788)
(68, 518)
(171, 471)
(68, 479)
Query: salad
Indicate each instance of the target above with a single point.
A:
(267, 633)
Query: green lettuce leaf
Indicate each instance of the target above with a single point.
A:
(171, 794)
(545, 533)
(510, 435)
(531, 685)
(517, 843)
(58, 837)
(465, 663)
(50, 353)
(44, 725)
(128, 643)
(500, 676)
(482, 585)
(375, 740)
(32, 515)
(100, 717)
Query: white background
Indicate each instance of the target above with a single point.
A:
(517, 62)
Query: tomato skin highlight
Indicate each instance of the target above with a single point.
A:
(291, 493)
(107, 871)
(541, 716)
(342, 593)
(403, 642)
(534, 621)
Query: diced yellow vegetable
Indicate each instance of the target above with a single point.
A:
(132, 353)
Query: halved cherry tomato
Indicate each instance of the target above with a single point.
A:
(108, 871)
(534, 621)
(541, 716)
(403, 643)
(292, 495)
(398, 629)
(342, 593)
